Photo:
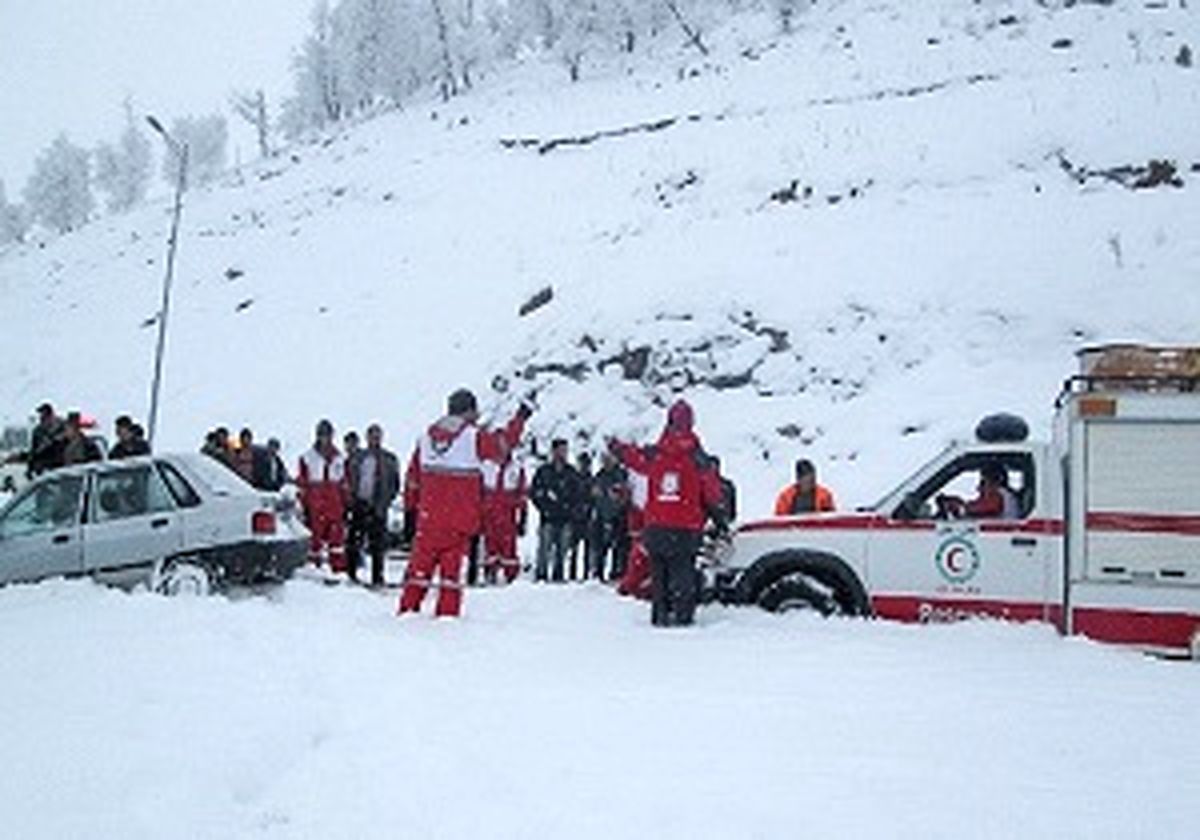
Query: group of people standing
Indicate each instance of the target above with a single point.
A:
(63, 442)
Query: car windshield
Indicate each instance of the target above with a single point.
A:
(219, 478)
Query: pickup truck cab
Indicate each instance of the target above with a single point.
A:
(177, 523)
(1102, 538)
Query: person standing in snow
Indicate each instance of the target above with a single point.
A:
(581, 517)
(450, 509)
(553, 492)
(684, 492)
(609, 529)
(374, 485)
(321, 477)
(276, 473)
(505, 511)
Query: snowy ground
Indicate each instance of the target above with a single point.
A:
(559, 713)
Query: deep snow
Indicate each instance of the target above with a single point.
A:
(557, 712)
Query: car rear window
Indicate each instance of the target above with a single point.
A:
(219, 478)
(183, 493)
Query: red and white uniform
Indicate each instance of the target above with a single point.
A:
(450, 508)
(505, 505)
(635, 581)
(323, 494)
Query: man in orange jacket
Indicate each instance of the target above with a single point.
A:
(805, 495)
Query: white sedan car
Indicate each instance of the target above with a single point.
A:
(177, 523)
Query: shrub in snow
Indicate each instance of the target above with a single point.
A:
(59, 193)
(13, 220)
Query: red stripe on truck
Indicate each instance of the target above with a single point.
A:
(818, 522)
(927, 610)
(1144, 523)
(1131, 627)
(1114, 625)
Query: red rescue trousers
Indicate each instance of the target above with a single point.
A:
(636, 580)
(500, 541)
(443, 551)
(326, 521)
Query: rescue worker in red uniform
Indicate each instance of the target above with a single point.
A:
(450, 508)
(505, 512)
(635, 581)
(324, 492)
(684, 492)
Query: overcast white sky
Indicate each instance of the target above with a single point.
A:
(68, 64)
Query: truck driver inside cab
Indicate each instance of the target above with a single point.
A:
(805, 495)
(994, 499)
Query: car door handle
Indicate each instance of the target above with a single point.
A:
(1024, 542)
(59, 539)
(161, 522)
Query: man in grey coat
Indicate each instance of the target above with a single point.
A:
(374, 475)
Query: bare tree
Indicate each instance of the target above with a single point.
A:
(692, 33)
(252, 107)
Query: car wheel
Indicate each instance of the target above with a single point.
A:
(795, 592)
(186, 579)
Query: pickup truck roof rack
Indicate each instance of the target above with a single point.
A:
(1147, 384)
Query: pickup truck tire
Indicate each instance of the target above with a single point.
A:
(795, 592)
(801, 579)
(186, 578)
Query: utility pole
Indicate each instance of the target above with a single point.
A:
(180, 151)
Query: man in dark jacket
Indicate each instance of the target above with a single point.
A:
(79, 448)
(129, 444)
(275, 473)
(46, 446)
(684, 492)
(610, 513)
(554, 492)
(374, 475)
(581, 518)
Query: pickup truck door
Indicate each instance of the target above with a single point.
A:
(132, 523)
(930, 568)
(40, 531)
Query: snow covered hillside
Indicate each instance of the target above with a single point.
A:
(557, 713)
(847, 243)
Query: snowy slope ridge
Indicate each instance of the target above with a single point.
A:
(848, 244)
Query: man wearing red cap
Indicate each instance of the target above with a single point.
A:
(684, 491)
(450, 457)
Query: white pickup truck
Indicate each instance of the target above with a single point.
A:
(1102, 538)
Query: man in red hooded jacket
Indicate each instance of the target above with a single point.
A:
(684, 491)
(450, 508)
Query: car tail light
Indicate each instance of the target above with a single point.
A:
(262, 522)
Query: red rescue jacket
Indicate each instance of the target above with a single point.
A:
(450, 458)
(683, 484)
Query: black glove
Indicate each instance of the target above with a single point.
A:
(525, 411)
(410, 526)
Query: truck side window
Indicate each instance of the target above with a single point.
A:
(956, 490)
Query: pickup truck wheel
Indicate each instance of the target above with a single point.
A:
(799, 592)
(185, 578)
